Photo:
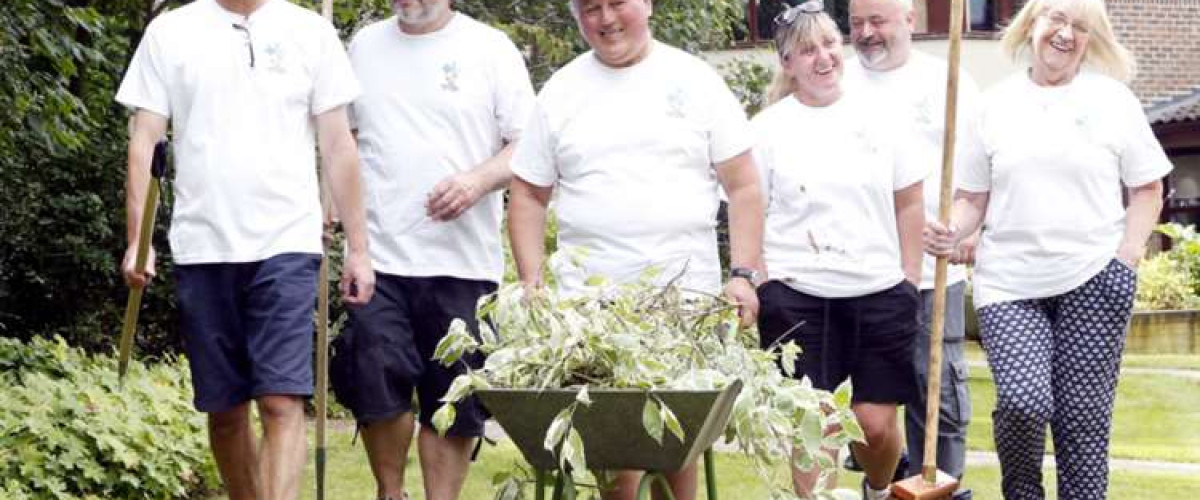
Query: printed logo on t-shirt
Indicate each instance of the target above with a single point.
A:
(450, 73)
(275, 58)
(676, 102)
(866, 141)
(924, 111)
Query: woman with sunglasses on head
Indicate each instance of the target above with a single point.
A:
(843, 238)
(1055, 267)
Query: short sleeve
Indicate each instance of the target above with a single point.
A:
(351, 112)
(972, 166)
(144, 86)
(908, 168)
(764, 162)
(729, 131)
(534, 160)
(512, 89)
(334, 83)
(1142, 159)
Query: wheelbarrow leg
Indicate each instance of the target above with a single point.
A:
(540, 481)
(564, 486)
(647, 482)
(558, 486)
(710, 475)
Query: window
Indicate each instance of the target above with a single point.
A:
(932, 16)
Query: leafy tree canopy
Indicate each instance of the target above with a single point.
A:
(62, 144)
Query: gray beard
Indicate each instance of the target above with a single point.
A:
(874, 59)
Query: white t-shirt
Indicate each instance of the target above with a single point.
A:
(631, 154)
(916, 92)
(245, 168)
(830, 175)
(434, 105)
(1054, 160)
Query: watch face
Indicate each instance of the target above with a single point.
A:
(742, 272)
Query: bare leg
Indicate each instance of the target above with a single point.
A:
(444, 463)
(805, 481)
(232, 443)
(882, 451)
(283, 447)
(624, 486)
(387, 443)
(683, 485)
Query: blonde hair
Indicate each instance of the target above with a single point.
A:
(1104, 52)
(808, 29)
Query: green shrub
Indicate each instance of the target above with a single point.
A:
(69, 431)
(1171, 279)
(1164, 285)
(749, 81)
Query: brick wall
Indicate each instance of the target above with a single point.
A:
(1164, 35)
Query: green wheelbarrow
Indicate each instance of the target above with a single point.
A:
(612, 432)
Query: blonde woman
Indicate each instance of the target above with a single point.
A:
(1056, 265)
(843, 238)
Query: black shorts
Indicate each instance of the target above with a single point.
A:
(248, 328)
(868, 339)
(386, 351)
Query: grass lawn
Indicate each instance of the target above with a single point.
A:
(1156, 416)
(350, 479)
(1159, 361)
(1155, 419)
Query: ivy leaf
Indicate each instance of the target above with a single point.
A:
(572, 451)
(851, 428)
(583, 398)
(652, 420)
(843, 395)
(788, 353)
(458, 341)
(444, 418)
(509, 489)
(558, 428)
(810, 428)
(459, 389)
(487, 334)
(668, 417)
(596, 281)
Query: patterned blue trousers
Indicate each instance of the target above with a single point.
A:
(1055, 361)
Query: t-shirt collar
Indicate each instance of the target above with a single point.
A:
(236, 18)
(450, 27)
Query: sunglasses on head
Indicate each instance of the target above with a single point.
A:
(789, 15)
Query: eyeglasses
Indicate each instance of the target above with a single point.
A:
(789, 15)
(1058, 21)
(249, 41)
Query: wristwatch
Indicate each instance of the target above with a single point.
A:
(747, 273)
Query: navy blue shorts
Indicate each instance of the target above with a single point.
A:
(248, 328)
(868, 339)
(386, 351)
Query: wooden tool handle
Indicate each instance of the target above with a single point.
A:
(322, 354)
(945, 200)
(133, 306)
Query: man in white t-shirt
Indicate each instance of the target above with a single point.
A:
(444, 99)
(635, 138)
(913, 85)
(246, 85)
